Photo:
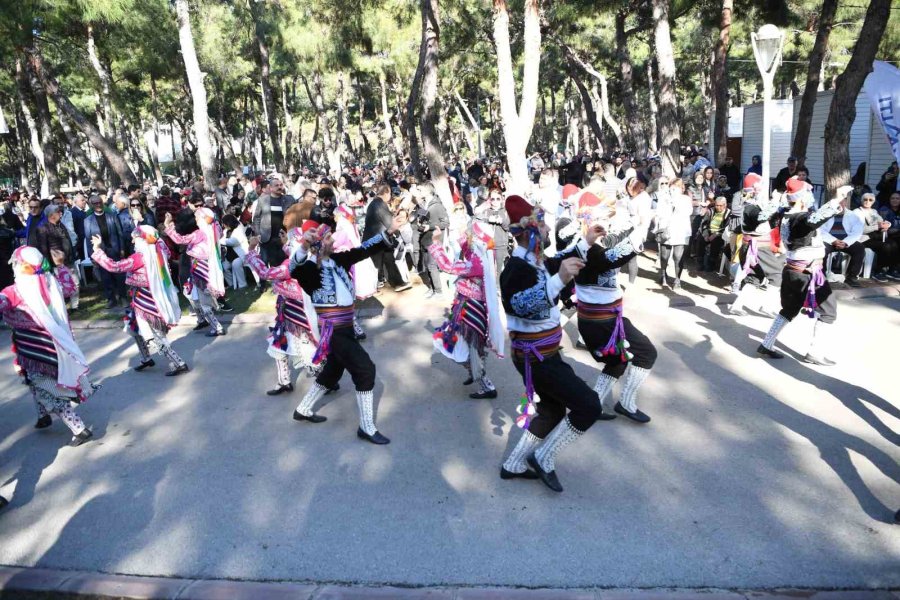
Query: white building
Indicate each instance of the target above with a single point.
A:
(868, 143)
(781, 124)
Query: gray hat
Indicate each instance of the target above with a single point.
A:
(51, 209)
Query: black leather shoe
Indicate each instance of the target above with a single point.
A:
(43, 422)
(336, 387)
(818, 360)
(550, 479)
(854, 283)
(482, 395)
(177, 371)
(469, 381)
(145, 364)
(201, 325)
(527, 474)
(763, 351)
(81, 438)
(375, 438)
(225, 307)
(636, 416)
(310, 418)
(605, 416)
(281, 389)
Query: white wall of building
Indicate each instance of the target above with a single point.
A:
(781, 129)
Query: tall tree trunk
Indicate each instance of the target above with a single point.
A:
(103, 75)
(843, 104)
(393, 141)
(719, 83)
(670, 131)
(154, 111)
(587, 103)
(430, 142)
(23, 89)
(224, 141)
(288, 133)
(77, 151)
(409, 123)
(332, 154)
(467, 132)
(45, 128)
(653, 142)
(636, 137)
(262, 57)
(517, 124)
(116, 160)
(342, 133)
(362, 142)
(813, 77)
(198, 94)
(476, 127)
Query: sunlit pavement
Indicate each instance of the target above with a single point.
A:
(752, 474)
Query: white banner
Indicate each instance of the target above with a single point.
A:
(882, 86)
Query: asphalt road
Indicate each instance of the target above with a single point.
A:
(752, 473)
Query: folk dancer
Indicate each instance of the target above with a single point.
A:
(154, 306)
(363, 273)
(804, 287)
(609, 336)
(293, 337)
(476, 323)
(325, 276)
(46, 354)
(760, 258)
(530, 286)
(207, 280)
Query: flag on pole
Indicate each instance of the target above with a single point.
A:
(882, 86)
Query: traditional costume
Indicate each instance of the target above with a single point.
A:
(293, 337)
(328, 282)
(760, 258)
(207, 280)
(154, 306)
(475, 324)
(46, 354)
(364, 274)
(804, 287)
(530, 288)
(609, 336)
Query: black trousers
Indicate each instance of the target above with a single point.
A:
(857, 253)
(272, 252)
(113, 283)
(347, 354)
(597, 333)
(887, 253)
(795, 286)
(560, 389)
(385, 260)
(769, 268)
(710, 252)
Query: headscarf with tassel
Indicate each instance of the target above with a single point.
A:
(206, 221)
(159, 278)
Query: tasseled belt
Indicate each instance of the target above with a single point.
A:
(330, 318)
(289, 315)
(617, 344)
(540, 345)
(816, 280)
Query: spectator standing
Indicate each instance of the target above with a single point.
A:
(107, 225)
(79, 212)
(379, 220)
(673, 227)
(432, 216)
(887, 185)
(268, 218)
(494, 214)
(784, 174)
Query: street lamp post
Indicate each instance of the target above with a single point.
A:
(767, 44)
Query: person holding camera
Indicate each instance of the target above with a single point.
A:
(493, 213)
(428, 218)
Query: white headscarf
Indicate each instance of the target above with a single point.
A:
(206, 221)
(156, 264)
(43, 297)
(482, 245)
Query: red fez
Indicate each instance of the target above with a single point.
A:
(308, 225)
(752, 180)
(568, 190)
(588, 200)
(518, 208)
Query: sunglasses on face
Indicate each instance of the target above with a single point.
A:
(135, 206)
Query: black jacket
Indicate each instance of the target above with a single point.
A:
(378, 218)
(54, 237)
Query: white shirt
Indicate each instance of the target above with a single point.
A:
(554, 287)
(853, 225)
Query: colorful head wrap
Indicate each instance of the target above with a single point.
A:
(525, 218)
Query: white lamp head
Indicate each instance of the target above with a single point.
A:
(767, 48)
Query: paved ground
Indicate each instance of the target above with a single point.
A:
(752, 474)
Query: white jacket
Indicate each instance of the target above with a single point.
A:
(853, 225)
(237, 239)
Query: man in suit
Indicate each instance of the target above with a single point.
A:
(109, 228)
(79, 214)
(378, 220)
